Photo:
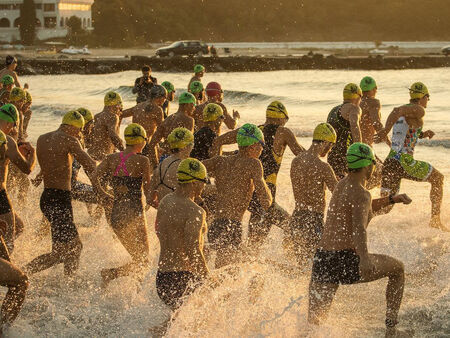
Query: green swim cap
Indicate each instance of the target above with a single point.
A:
(248, 135)
(367, 84)
(169, 86)
(7, 80)
(195, 87)
(9, 113)
(187, 98)
(360, 155)
(199, 69)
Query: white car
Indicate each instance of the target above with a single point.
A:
(74, 51)
(446, 50)
(377, 51)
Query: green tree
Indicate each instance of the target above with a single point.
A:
(27, 22)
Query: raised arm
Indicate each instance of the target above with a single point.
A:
(261, 189)
(354, 118)
(111, 128)
(289, 138)
(25, 164)
(230, 121)
(193, 242)
(227, 138)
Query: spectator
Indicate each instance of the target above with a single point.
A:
(144, 84)
(10, 67)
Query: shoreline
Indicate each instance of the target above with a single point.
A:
(105, 65)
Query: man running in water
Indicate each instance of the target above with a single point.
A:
(342, 256)
(170, 97)
(199, 71)
(181, 226)
(55, 152)
(105, 134)
(310, 176)
(407, 122)
(345, 121)
(196, 89)
(237, 177)
(164, 179)
(10, 69)
(24, 157)
(182, 118)
(204, 138)
(215, 95)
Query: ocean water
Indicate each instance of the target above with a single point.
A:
(56, 306)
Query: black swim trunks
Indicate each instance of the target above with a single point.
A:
(56, 205)
(5, 203)
(174, 285)
(306, 228)
(225, 233)
(335, 267)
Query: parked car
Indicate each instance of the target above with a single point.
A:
(446, 50)
(377, 51)
(184, 48)
(74, 51)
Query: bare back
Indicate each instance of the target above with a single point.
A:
(177, 120)
(149, 116)
(310, 176)
(174, 215)
(370, 109)
(101, 142)
(339, 226)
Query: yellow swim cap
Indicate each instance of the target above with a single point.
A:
(73, 118)
(112, 99)
(2, 138)
(17, 94)
(191, 170)
(325, 132)
(180, 138)
(135, 134)
(352, 91)
(212, 112)
(28, 97)
(277, 110)
(418, 90)
(87, 114)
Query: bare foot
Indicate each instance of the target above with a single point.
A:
(436, 223)
(392, 332)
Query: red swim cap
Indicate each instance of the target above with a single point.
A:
(213, 88)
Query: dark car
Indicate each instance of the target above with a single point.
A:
(183, 48)
(446, 50)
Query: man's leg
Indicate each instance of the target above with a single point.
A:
(17, 283)
(320, 299)
(386, 266)
(436, 179)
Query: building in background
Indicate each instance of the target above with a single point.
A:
(51, 18)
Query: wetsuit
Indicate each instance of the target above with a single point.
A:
(271, 163)
(203, 141)
(337, 156)
(400, 162)
(128, 202)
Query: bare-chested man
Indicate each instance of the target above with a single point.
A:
(105, 134)
(345, 121)
(56, 151)
(199, 72)
(342, 256)
(10, 69)
(407, 122)
(215, 95)
(181, 226)
(24, 158)
(237, 177)
(149, 114)
(310, 176)
(182, 118)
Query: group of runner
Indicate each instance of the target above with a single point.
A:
(176, 162)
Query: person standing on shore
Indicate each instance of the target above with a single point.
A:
(407, 123)
(310, 176)
(170, 97)
(342, 256)
(144, 84)
(105, 134)
(214, 93)
(10, 69)
(199, 71)
(56, 151)
(345, 120)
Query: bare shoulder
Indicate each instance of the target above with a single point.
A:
(143, 159)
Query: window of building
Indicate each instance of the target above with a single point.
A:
(17, 22)
(50, 22)
(4, 7)
(73, 7)
(49, 7)
(38, 6)
(38, 23)
(4, 23)
(15, 6)
(61, 22)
